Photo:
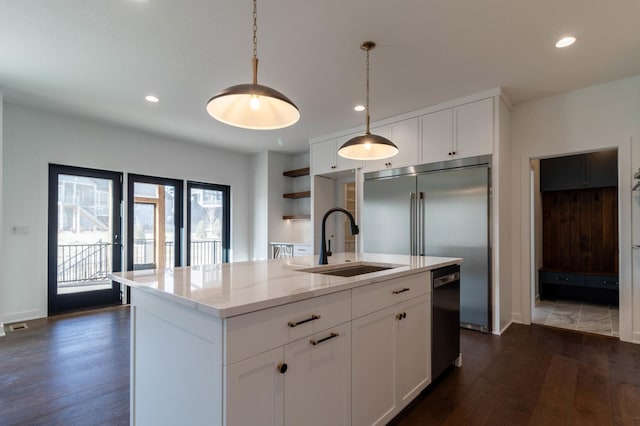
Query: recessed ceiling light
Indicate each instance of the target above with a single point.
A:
(565, 41)
(359, 108)
(151, 98)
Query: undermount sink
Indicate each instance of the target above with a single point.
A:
(349, 270)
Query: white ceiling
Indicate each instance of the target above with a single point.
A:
(100, 58)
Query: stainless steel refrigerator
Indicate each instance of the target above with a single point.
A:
(436, 210)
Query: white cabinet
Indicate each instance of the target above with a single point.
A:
(318, 379)
(414, 347)
(474, 129)
(325, 158)
(374, 380)
(405, 135)
(258, 380)
(391, 349)
(437, 136)
(460, 132)
(306, 382)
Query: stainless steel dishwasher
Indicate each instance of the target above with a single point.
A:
(445, 319)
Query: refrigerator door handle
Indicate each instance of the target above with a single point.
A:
(412, 223)
(420, 224)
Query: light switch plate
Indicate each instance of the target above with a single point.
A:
(19, 230)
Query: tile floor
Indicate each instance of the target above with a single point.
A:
(579, 316)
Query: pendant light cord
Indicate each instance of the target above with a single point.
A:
(255, 42)
(367, 92)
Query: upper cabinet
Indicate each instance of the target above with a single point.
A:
(405, 135)
(325, 158)
(459, 132)
(592, 170)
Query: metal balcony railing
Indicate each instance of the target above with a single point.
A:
(80, 264)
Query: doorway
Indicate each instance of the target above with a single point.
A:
(84, 237)
(575, 251)
(154, 221)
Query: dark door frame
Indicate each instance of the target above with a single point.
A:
(67, 302)
(226, 216)
(178, 196)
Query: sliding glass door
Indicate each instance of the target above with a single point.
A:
(208, 226)
(154, 218)
(84, 237)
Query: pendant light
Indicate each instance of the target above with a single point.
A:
(253, 106)
(368, 146)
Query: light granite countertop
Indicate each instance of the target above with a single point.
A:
(237, 288)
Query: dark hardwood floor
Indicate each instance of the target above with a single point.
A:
(74, 370)
(67, 370)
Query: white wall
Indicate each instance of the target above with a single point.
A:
(600, 117)
(260, 206)
(33, 139)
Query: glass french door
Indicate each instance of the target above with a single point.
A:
(84, 237)
(154, 218)
(208, 227)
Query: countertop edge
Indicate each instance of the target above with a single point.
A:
(347, 284)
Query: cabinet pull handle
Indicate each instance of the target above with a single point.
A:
(330, 336)
(401, 316)
(401, 291)
(295, 324)
(282, 367)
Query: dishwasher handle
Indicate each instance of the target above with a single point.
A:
(447, 279)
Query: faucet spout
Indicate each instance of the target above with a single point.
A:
(322, 260)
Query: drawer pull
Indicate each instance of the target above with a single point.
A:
(330, 336)
(295, 324)
(401, 316)
(561, 279)
(282, 368)
(401, 290)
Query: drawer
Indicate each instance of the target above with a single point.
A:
(253, 333)
(603, 281)
(562, 278)
(373, 297)
(302, 250)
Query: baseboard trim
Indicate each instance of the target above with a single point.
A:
(506, 326)
(636, 337)
(2, 329)
(516, 318)
(22, 316)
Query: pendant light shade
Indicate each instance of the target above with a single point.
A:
(368, 146)
(253, 106)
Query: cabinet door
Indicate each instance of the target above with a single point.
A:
(323, 157)
(318, 379)
(344, 163)
(601, 169)
(562, 173)
(437, 136)
(414, 348)
(256, 383)
(473, 129)
(373, 392)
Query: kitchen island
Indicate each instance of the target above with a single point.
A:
(280, 341)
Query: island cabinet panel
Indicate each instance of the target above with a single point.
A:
(318, 379)
(256, 332)
(386, 293)
(374, 376)
(391, 351)
(414, 349)
(254, 390)
(176, 354)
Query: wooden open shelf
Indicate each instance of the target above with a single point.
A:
(297, 173)
(303, 194)
(297, 216)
